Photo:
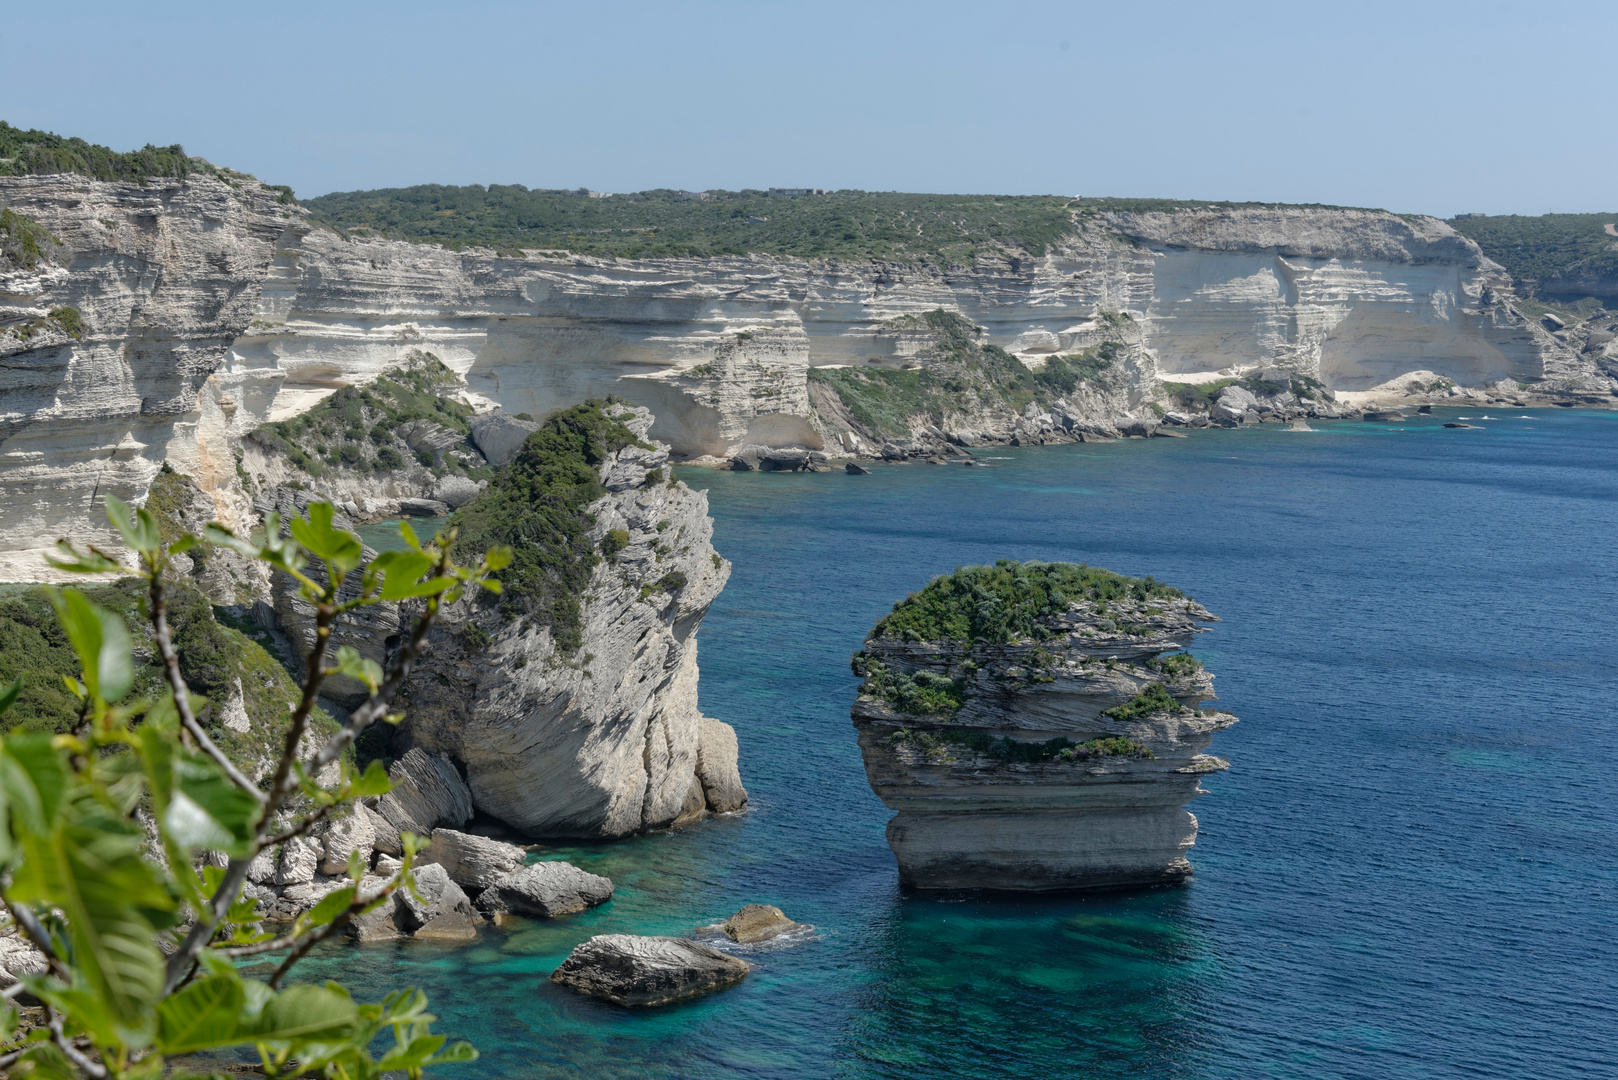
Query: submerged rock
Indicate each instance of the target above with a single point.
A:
(545, 889)
(856, 470)
(1057, 749)
(758, 922)
(631, 970)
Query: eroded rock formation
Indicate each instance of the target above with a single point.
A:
(1026, 724)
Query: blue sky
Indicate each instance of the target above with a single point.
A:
(1416, 107)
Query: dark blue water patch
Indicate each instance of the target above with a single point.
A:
(1408, 871)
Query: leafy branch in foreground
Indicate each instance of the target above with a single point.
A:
(140, 944)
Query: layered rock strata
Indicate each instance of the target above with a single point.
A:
(208, 307)
(1052, 760)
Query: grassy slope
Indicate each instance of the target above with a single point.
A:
(956, 375)
(356, 429)
(213, 656)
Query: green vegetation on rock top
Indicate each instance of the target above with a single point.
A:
(34, 153)
(536, 505)
(936, 230)
(1563, 255)
(1009, 601)
(931, 229)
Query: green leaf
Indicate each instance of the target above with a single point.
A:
(355, 666)
(141, 534)
(374, 781)
(88, 865)
(184, 543)
(8, 696)
(92, 561)
(331, 905)
(498, 558)
(101, 641)
(409, 535)
(318, 536)
(203, 1015)
(304, 1012)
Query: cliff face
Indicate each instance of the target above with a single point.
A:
(1055, 752)
(209, 308)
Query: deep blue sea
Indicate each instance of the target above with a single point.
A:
(1410, 869)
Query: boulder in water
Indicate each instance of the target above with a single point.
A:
(546, 889)
(631, 970)
(758, 922)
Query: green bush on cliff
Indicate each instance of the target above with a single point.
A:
(1561, 251)
(23, 241)
(1015, 751)
(1009, 601)
(1175, 665)
(926, 693)
(536, 506)
(344, 428)
(1149, 702)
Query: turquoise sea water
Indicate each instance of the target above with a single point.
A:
(1407, 872)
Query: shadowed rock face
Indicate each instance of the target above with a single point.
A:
(1066, 761)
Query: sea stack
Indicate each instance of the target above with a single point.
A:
(1038, 727)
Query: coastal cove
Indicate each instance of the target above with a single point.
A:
(1404, 873)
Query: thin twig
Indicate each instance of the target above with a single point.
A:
(288, 940)
(182, 695)
(346, 916)
(202, 932)
(90, 1068)
(38, 936)
(308, 823)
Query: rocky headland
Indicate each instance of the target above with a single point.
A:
(1038, 726)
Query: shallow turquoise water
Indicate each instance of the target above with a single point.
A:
(1408, 871)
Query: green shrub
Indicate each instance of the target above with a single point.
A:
(925, 693)
(475, 636)
(69, 319)
(23, 241)
(1175, 665)
(1007, 750)
(614, 542)
(1149, 702)
(1009, 601)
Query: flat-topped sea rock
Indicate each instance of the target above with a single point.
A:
(632, 970)
(1038, 726)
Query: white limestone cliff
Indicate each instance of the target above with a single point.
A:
(210, 307)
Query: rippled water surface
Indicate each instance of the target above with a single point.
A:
(1407, 872)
